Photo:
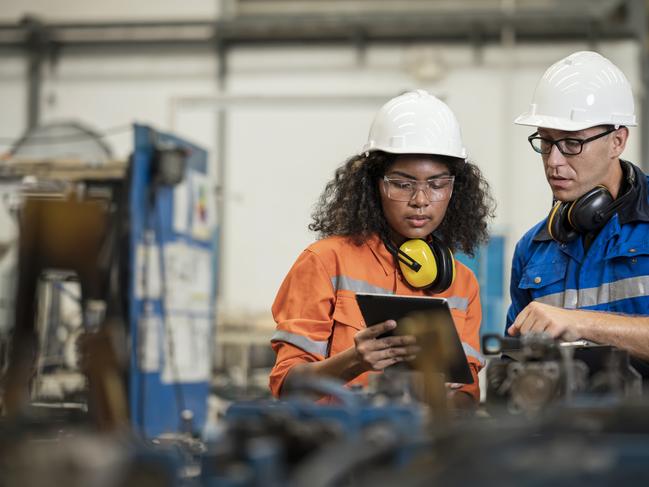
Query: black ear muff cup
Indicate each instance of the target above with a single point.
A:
(587, 213)
(590, 212)
(558, 226)
(445, 266)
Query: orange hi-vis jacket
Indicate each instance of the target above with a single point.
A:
(317, 315)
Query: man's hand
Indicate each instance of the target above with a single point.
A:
(542, 318)
(374, 353)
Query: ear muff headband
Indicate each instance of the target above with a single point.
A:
(445, 266)
(551, 223)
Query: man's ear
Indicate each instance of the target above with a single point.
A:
(618, 142)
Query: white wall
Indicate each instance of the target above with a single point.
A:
(305, 145)
(280, 151)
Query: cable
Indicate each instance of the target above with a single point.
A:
(38, 140)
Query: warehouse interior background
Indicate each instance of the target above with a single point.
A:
(280, 93)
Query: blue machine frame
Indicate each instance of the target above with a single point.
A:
(156, 402)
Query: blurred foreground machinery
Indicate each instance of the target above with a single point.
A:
(298, 442)
(560, 414)
(364, 440)
(537, 372)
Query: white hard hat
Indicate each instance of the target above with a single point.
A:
(582, 90)
(416, 123)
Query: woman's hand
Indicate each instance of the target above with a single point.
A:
(374, 353)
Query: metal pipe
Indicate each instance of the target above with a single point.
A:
(454, 26)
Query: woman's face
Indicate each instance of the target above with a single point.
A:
(419, 216)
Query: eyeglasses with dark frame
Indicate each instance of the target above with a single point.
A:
(569, 146)
(436, 189)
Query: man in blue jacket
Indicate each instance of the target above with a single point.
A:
(583, 272)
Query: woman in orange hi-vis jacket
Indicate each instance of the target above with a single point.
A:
(412, 181)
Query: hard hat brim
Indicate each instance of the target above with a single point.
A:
(415, 150)
(547, 122)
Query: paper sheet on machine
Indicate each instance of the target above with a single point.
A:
(150, 341)
(203, 219)
(190, 359)
(188, 278)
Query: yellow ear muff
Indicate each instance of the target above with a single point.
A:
(420, 251)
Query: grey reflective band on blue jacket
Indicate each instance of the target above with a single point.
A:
(345, 283)
(302, 342)
(632, 287)
(469, 351)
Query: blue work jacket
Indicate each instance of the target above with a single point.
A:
(613, 275)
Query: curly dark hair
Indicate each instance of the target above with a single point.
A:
(350, 204)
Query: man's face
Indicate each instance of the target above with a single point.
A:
(571, 176)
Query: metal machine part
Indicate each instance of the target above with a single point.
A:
(68, 232)
(535, 371)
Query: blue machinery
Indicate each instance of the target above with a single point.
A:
(172, 286)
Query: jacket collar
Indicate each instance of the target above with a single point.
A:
(381, 253)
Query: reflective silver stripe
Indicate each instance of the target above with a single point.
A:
(456, 302)
(300, 341)
(632, 287)
(567, 299)
(348, 284)
(358, 286)
(472, 352)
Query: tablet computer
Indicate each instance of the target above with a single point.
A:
(430, 320)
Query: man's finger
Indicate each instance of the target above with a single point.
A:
(515, 329)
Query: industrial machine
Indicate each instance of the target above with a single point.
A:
(535, 372)
(108, 280)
